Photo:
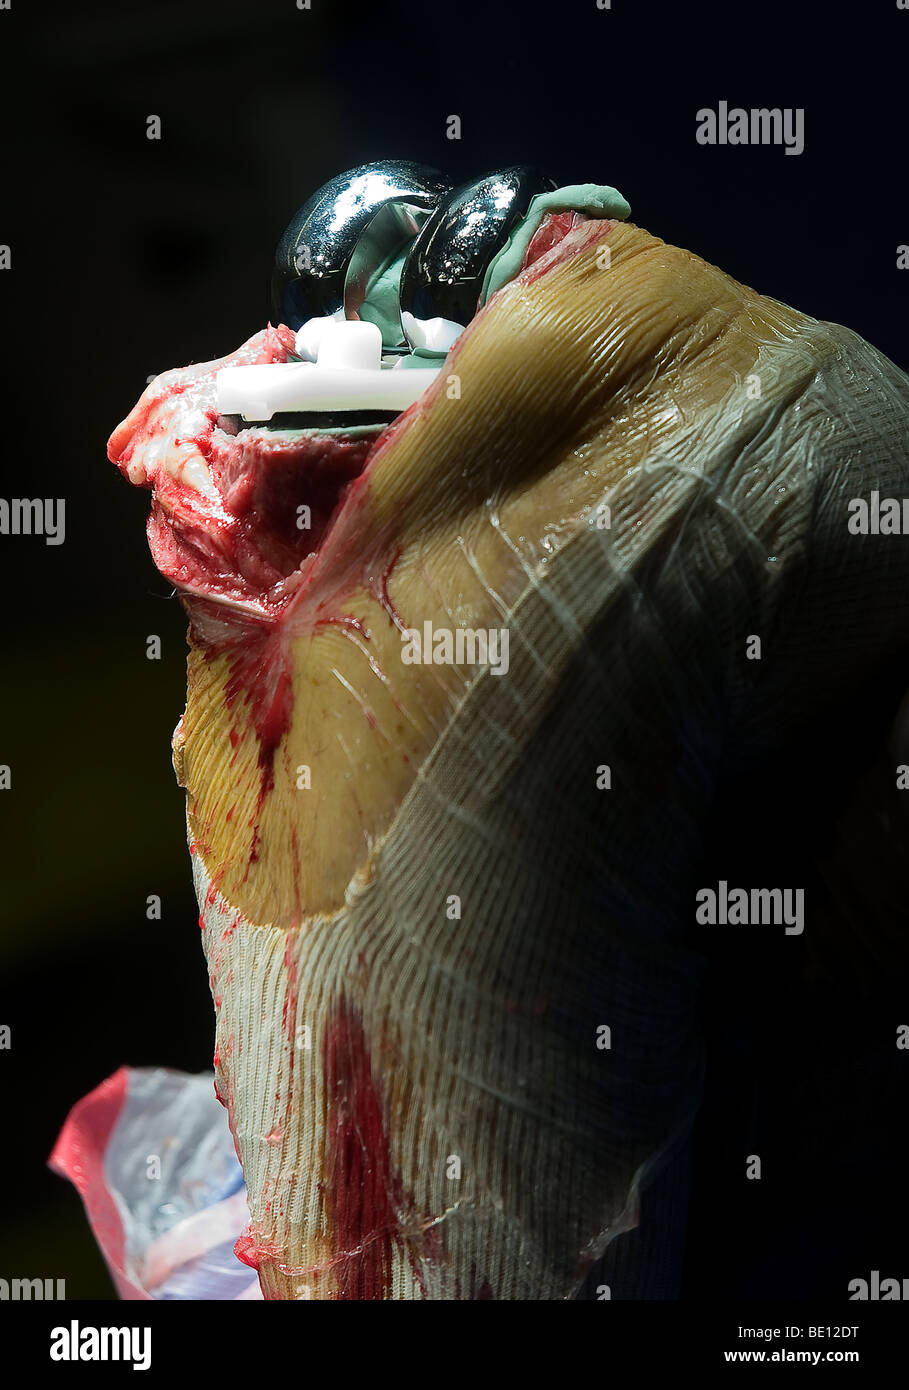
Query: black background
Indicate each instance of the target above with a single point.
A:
(130, 256)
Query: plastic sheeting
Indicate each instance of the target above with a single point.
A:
(151, 1154)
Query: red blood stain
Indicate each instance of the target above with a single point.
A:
(562, 247)
(295, 866)
(381, 593)
(260, 669)
(361, 1189)
(290, 998)
(248, 1250)
(553, 228)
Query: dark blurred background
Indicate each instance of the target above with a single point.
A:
(131, 256)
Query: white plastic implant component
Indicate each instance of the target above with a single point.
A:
(310, 334)
(257, 392)
(353, 344)
(437, 334)
(347, 374)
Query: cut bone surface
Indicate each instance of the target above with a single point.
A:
(420, 902)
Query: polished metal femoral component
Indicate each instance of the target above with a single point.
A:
(345, 233)
(445, 268)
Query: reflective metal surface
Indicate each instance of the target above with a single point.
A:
(443, 274)
(344, 232)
